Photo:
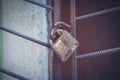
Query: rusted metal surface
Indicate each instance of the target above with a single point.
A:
(39, 4)
(73, 31)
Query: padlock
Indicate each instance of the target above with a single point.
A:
(63, 43)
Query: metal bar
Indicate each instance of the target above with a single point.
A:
(39, 4)
(73, 31)
(50, 53)
(25, 37)
(99, 53)
(98, 13)
(12, 74)
(57, 61)
(57, 10)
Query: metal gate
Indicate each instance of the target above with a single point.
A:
(73, 18)
(56, 69)
(73, 24)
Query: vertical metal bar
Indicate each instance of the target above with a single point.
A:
(50, 55)
(57, 17)
(57, 10)
(73, 31)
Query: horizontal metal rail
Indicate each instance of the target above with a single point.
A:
(12, 74)
(39, 4)
(97, 13)
(25, 37)
(99, 53)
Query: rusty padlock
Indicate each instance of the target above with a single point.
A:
(63, 43)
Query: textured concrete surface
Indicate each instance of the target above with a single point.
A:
(22, 56)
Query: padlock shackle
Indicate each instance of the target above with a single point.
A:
(62, 23)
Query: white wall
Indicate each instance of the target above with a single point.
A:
(22, 56)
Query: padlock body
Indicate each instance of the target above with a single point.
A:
(64, 45)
